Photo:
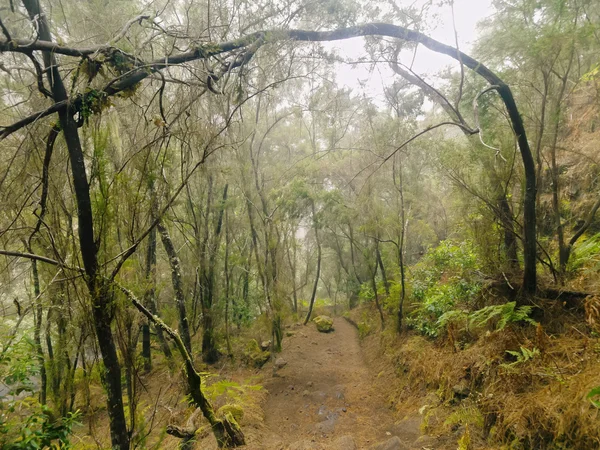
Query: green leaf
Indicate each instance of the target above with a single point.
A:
(594, 393)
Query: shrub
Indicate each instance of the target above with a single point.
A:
(447, 277)
(24, 422)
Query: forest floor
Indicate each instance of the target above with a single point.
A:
(326, 397)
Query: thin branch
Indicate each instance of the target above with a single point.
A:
(5, 31)
(139, 19)
(476, 115)
(54, 132)
(39, 76)
(40, 258)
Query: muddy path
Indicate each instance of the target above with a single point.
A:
(324, 396)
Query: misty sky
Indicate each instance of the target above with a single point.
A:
(466, 13)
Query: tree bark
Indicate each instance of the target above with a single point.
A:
(510, 239)
(377, 303)
(318, 274)
(228, 275)
(37, 333)
(399, 184)
(210, 354)
(386, 285)
(177, 280)
(102, 301)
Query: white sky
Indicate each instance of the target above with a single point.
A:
(467, 13)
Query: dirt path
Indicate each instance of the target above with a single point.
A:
(324, 393)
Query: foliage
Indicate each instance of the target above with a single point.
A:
(521, 356)
(40, 430)
(25, 424)
(501, 315)
(233, 392)
(254, 355)
(593, 396)
(364, 329)
(446, 278)
(464, 442)
(586, 255)
(324, 323)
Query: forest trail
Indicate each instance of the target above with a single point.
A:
(324, 394)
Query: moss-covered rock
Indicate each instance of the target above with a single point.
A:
(236, 411)
(324, 323)
(254, 355)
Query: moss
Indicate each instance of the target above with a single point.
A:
(254, 355)
(93, 102)
(232, 409)
(324, 323)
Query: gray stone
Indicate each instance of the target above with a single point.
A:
(408, 430)
(280, 363)
(339, 391)
(265, 345)
(426, 442)
(326, 427)
(344, 443)
(304, 445)
(391, 444)
(462, 389)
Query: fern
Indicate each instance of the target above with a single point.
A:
(453, 316)
(234, 391)
(505, 314)
(523, 356)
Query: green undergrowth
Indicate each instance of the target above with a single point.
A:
(477, 367)
(25, 423)
(448, 277)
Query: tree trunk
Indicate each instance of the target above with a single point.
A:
(37, 333)
(226, 430)
(177, 280)
(377, 304)
(399, 184)
(227, 285)
(382, 268)
(210, 354)
(102, 302)
(292, 262)
(318, 274)
(510, 239)
(150, 298)
(112, 373)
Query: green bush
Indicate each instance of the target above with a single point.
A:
(446, 278)
(586, 255)
(24, 422)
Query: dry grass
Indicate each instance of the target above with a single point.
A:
(507, 401)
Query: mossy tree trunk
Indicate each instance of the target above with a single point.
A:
(177, 280)
(226, 430)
